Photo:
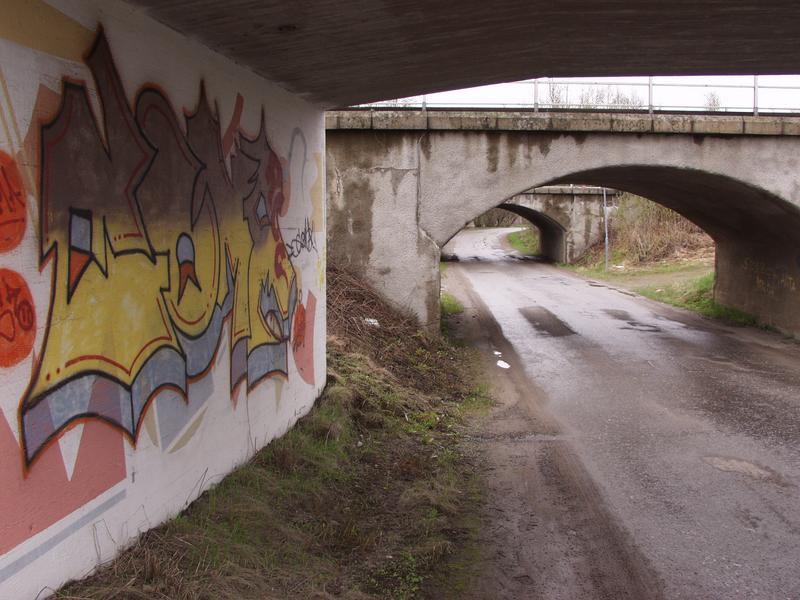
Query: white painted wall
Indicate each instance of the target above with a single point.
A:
(91, 489)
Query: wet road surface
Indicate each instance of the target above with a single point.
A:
(638, 451)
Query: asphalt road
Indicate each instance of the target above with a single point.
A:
(638, 451)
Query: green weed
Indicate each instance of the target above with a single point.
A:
(698, 296)
(525, 241)
(450, 305)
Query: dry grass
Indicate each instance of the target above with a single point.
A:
(647, 231)
(642, 232)
(410, 355)
(368, 496)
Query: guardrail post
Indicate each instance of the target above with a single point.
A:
(755, 95)
(535, 95)
(650, 94)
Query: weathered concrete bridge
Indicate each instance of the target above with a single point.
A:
(569, 217)
(401, 184)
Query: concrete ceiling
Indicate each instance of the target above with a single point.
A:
(342, 52)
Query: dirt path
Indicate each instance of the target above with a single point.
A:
(547, 532)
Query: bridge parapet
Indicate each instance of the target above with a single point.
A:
(573, 121)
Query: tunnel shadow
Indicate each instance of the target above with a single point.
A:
(552, 235)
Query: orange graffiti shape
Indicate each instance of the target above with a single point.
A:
(13, 215)
(17, 318)
(299, 328)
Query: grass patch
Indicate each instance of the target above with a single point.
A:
(450, 305)
(525, 241)
(698, 296)
(596, 268)
(370, 495)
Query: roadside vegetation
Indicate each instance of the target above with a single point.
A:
(370, 495)
(649, 245)
(525, 241)
(646, 236)
(697, 295)
(450, 305)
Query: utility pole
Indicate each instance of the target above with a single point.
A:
(605, 225)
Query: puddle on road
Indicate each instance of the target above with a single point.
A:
(546, 322)
(523, 258)
(633, 324)
(503, 364)
(619, 315)
(744, 467)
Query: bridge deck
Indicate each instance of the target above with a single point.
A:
(436, 120)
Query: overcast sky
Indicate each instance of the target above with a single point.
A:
(664, 96)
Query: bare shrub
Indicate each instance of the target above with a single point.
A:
(608, 97)
(557, 94)
(645, 231)
(712, 101)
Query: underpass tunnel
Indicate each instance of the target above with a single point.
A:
(727, 209)
(757, 234)
(552, 235)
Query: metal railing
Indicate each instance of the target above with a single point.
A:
(662, 94)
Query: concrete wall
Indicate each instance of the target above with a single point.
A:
(162, 278)
(569, 218)
(397, 195)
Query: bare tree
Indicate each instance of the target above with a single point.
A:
(593, 97)
(621, 99)
(556, 94)
(712, 101)
(403, 102)
(608, 97)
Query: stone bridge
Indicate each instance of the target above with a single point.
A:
(402, 183)
(569, 218)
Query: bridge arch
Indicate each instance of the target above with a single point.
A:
(552, 234)
(730, 210)
(569, 218)
(744, 190)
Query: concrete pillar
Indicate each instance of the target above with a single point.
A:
(373, 221)
(761, 279)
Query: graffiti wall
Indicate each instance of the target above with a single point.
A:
(161, 278)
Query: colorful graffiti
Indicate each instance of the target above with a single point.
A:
(155, 244)
(13, 213)
(17, 318)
